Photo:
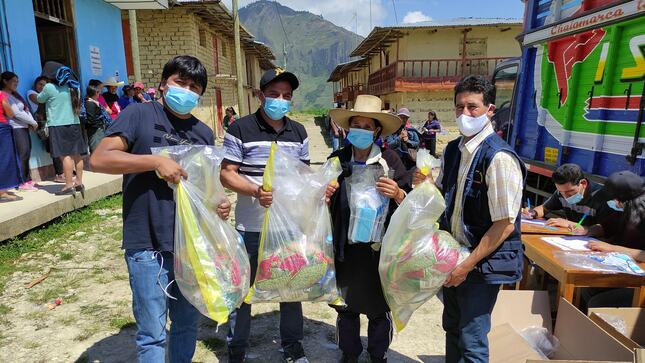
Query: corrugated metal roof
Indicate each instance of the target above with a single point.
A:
(460, 22)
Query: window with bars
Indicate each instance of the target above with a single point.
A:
(55, 10)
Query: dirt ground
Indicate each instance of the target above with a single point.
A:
(94, 322)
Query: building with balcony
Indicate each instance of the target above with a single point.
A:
(417, 65)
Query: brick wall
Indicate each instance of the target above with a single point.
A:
(164, 34)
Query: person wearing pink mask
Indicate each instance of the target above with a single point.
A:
(482, 179)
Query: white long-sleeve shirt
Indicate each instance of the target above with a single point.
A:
(22, 117)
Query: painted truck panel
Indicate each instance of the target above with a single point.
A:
(580, 84)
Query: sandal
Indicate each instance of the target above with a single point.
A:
(6, 197)
(80, 188)
(67, 191)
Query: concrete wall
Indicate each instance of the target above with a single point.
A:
(98, 24)
(419, 103)
(447, 42)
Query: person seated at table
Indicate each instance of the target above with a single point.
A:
(575, 196)
(626, 191)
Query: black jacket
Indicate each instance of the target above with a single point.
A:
(357, 273)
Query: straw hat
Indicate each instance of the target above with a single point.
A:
(112, 82)
(367, 106)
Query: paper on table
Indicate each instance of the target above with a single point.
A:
(539, 222)
(568, 244)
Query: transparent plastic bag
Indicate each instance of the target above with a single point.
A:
(211, 265)
(426, 162)
(543, 342)
(295, 259)
(416, 257)
(368, 207)
(616, 322)
(609, 262)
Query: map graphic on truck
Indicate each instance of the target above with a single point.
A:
(588, 85)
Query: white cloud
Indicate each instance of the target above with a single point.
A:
(339, 12)
(415, 17)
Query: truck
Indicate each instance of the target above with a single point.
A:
(576, 93)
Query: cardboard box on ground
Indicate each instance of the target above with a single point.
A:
(581, 338)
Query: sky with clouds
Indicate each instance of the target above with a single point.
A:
(354, 15)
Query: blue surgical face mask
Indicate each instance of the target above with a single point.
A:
(181, 100)
(613, 205)
(276, 108)
(574, 199)
(360, 138)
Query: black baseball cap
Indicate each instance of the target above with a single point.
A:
(279, 74)
(624, 185)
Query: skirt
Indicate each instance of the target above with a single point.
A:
(66, 141)
(10, 175)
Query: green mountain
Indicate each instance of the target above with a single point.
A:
(314, 47)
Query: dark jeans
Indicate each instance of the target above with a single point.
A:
(466, 320)
(379, 334)
(23, 147)
(291, 323)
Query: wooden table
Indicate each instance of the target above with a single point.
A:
(537, 229)
(569, 277)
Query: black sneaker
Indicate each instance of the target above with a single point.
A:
(302, 359)
(236, 358)
(294, 353)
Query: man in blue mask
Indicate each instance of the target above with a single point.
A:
(149, 206)
(247, 143)
(575, 196)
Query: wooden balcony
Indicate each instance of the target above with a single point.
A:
(428, 74)
(349, 93)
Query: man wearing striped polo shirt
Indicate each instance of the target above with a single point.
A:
(247, 144)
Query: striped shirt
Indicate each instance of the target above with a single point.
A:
(247, 143)
(503, 178)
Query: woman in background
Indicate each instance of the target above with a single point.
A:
(21, 122)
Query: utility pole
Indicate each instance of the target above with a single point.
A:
(238, 59)
(134, 45)
(285, 54)
(370, 15)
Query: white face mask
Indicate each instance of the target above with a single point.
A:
(470, 126)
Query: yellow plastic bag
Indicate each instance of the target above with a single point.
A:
(295, 258)
(211, 266)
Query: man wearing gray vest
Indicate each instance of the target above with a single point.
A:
(482, 180)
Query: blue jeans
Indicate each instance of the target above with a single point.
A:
(291, 322)
(151, 306)
(466, 320)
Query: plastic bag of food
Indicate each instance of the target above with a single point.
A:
(211, 264)
(368, 207)
(295, 258)
(609, 262)
(426, 162)
(416, 257)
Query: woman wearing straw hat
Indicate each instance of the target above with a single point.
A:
(110, 96)
(357, 264)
